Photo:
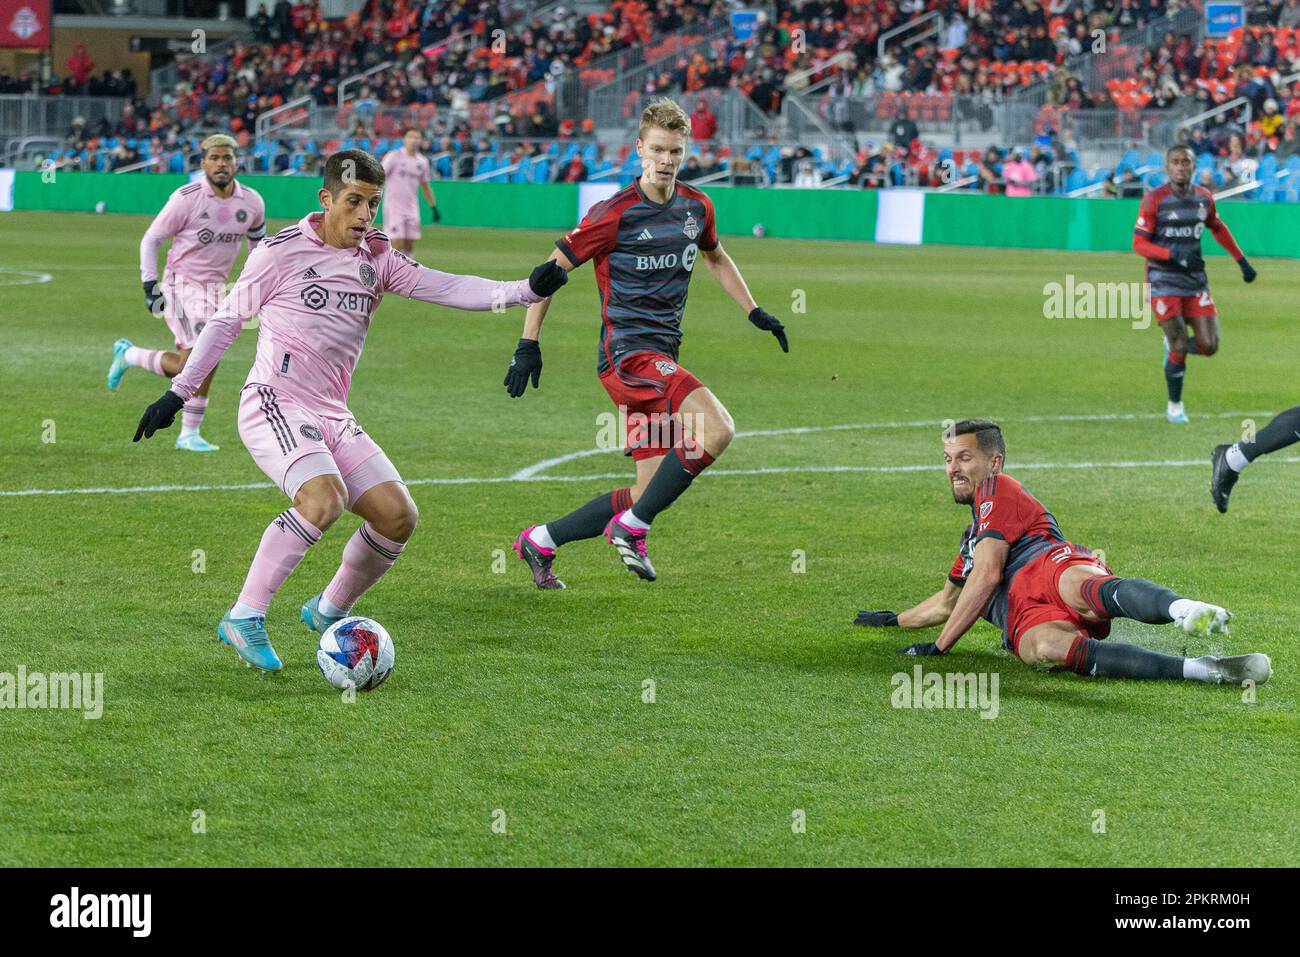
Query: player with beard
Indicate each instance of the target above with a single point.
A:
(1168, 234)
(317, 285)
(644, 242)
(205, 222)
(1054, 600)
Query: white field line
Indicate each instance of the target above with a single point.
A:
(773, 470)
(23, 277)
(532, 472)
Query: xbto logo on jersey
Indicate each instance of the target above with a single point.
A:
(207, 236)
(315, 297)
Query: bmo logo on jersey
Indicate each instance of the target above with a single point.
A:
(669, 260)
(1185, 232)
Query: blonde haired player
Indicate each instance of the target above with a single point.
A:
(407, 169)
(644, 242)
(205, 220)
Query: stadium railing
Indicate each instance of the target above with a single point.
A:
(613, 105)
(27, 115)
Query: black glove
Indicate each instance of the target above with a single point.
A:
(527, 361)
(769, 323)
(1247, 270)
(547, 278)
(877, 619)
(160, 415)
(1192, 262)
(153, 297)
(921, 649)
(437, 216)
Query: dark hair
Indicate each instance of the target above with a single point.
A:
(1180, 146)
(988, 436)
(352, 166)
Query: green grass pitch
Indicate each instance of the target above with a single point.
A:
(522, 708)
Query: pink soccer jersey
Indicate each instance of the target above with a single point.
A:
(205, 231)
(316, 302)
(405, 173)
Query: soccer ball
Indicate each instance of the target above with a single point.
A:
(355, 652)
(759, 230)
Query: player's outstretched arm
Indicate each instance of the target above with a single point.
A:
(986, 574)
(933, 611)
(724, 269)
(526, 363)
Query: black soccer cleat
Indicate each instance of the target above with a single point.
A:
(631, 547)
(539, 559)
(1222, 477)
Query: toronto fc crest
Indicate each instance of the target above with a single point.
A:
(691, 228)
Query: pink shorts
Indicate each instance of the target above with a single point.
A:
(187, 306)
(291, 444)
(402, 226)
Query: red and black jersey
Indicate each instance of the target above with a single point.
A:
(1176, 223)
(644, 253)
(1004, 509)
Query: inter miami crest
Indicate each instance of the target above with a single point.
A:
(368, 275)
(241, 215)
(691, 228)
(310, 432)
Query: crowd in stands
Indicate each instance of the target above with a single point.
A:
(455, 56)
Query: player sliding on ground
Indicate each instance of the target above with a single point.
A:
(317, 285)
(205, 222)
(1168, 234)
(644, 241)
(1229, 461)
(1054, 600)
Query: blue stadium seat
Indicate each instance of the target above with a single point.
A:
(444, 167)
(1131, 160)
(1077, 179)
(589, 155)
(524, 172)
(542, 171)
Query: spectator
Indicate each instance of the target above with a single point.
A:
(1019, 175)
(260, 22)
(903, 131)
(79, 64)
(704, 124)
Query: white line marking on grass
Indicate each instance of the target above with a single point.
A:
(769, 470)
(534, 470)
(26, 277)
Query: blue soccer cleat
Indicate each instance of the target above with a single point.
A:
(195, 443)
(249, 639)
(1175, 415)
(119, 366)
(314, 618)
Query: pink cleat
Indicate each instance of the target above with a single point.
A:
(539, 559)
